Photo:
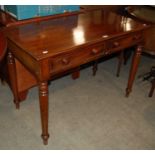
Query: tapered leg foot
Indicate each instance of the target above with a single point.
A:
(45, 139)
(128, 91)
(17, 104)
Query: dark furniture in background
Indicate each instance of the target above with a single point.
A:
(3, 45)
(147, 15)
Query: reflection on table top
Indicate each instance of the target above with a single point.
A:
(47, 38)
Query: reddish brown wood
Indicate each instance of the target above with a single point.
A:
(120, 61)
(13, 78)
(76, 73)
(133, 70)
(23, 95)
(25, 79)
(152, 88)
(95, 67)
(44, 18)
(43, 97)
(3, 45)
(55, 46)
(6, 19)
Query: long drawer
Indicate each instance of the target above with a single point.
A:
(76, 58)
(91, 52)
(123, 42)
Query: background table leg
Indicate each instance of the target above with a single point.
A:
(13, 78)
(133, 70)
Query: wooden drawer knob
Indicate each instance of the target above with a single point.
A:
(116, 44)
(65, 61)
(95, 51)
(135, 37)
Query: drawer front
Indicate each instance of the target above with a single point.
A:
(124, 42)
(76, 58)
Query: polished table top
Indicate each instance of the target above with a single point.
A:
(48, 38)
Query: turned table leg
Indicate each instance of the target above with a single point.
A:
(43, 97)
(95, 67)
(76, 73)
(133, 70)
(152, 88)
(13, 78)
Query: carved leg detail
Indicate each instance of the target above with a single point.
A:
(13, 78)
(43, 97)
(133, 70)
